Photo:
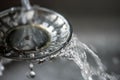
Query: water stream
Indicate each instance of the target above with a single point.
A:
(79, 53)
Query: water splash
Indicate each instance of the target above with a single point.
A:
(75, 50)
(79, 53)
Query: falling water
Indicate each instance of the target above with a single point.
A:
(31, 74)
(78, 52)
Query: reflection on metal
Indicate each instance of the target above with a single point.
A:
(38, 34)
(32, 33)
(37, 37)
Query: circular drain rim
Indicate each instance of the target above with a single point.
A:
(21, 55)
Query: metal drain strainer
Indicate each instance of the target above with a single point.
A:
(32, 32)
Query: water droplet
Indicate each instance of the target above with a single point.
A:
(32, 55)
(31, 66)
(2, 68)
(32, 74)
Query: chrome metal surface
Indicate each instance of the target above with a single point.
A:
(43, 35)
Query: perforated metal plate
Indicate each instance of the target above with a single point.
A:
(48, 33)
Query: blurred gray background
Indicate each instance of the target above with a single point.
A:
(96, 22)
